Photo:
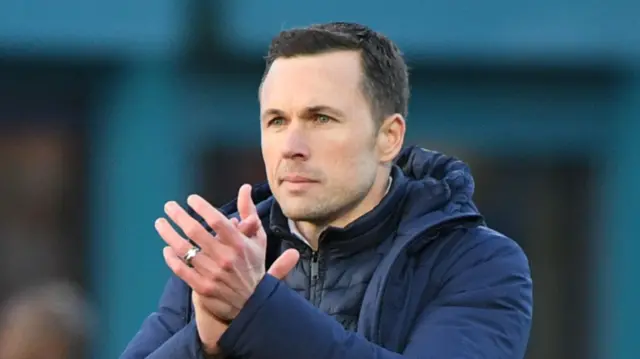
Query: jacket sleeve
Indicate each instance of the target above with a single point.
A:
(167, 333)
(482, 311)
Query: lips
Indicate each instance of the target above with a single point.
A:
(297, 179)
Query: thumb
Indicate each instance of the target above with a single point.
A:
(284, 264)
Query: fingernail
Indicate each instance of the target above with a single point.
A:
(192, 198)
(170, 207)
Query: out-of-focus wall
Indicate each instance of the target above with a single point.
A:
(126, 105)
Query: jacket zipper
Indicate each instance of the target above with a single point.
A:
(313, 295)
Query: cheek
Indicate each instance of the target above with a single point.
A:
(269, 159)
(349, 159)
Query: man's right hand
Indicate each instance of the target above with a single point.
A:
(210, 327)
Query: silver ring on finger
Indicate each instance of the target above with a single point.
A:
(191, 253)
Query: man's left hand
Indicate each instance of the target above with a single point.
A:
(230, 264)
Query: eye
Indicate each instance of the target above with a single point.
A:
(323, 118)
(276, 121)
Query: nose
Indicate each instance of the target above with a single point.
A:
(295, 142)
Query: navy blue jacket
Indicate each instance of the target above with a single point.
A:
(447, 287)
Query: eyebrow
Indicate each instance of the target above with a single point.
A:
(272, 112)
(324, 109)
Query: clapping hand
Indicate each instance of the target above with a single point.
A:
(227, 267)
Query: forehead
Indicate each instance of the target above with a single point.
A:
(331, 79)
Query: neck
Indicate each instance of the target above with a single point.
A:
(312, 231)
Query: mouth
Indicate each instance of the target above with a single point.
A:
(297, 179)
(297, 185)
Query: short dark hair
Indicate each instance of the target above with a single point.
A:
(385, 73)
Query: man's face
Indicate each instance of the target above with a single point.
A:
(318, 135)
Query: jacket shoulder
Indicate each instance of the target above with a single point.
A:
(465, 249)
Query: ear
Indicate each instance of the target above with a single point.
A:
(391, 138)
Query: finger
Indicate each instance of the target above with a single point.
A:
(190, 227)
(261, 235)
(284, 264)
(226, 232)
(245, 203)
(195, 280)
(234, 221)
(208, 286)
(250, 226)
(171, 237)
(180, 246)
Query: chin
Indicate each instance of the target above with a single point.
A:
(294, 212)
(310, 211)
(298, 211)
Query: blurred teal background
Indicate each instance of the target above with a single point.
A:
(110, 108)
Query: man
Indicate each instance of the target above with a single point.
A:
(373, 251)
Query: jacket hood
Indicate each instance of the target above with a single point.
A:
(439, 190)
